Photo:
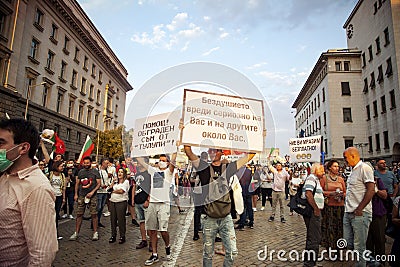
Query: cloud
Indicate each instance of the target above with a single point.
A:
(210, 51)
(284, 79)
(256, 66)
(177, 21)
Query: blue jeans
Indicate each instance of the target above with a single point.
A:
(355, 231)
(101, 202)
(248, 211)
(224, 227)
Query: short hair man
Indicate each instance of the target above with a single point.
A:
(85, 190)
(28, 233)
(358, 208)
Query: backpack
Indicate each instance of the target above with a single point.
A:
(300, 205)
(218, 200)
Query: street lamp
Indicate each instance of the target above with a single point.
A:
(361, 145)
(28, 94)
(98, 137)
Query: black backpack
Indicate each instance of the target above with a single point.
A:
(300, 205)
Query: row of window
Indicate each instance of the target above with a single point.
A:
(386, 144)
(388, 73)
(383, 105)
(315, 126)
(378, 47)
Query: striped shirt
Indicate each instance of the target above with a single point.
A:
(312, 181)
(28, 235)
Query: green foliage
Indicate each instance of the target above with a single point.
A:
(109, 143)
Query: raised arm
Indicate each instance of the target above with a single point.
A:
(192, 157)
(243, 161)
(45, 152)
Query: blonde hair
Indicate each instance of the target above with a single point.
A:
(315, 166)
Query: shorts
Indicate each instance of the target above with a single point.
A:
(80, 210)
(157, 216)
(140, 210)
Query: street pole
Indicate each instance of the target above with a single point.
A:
(28, 95)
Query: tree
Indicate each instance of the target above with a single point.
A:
(110, 143)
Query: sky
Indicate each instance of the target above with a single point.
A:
(273, 43)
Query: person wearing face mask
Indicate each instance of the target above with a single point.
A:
(28, 233)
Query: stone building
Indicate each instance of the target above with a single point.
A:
(330, 103)
(52, 55)
(373, 27)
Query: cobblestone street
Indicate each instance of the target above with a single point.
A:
(185, 252)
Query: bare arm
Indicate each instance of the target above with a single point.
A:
(367, 198)
(172, 163)
(45, 152)
(311, 201)
(192, 157)
(242, 161)
(395, 189)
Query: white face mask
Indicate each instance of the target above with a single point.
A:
(162, 165)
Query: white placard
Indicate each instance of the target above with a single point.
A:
(306, 149)
(156, 135)
(222, 121)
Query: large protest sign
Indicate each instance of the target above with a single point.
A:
(222, 121)
(156, 134)
(307, 149)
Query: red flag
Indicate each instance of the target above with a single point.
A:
(59, 145)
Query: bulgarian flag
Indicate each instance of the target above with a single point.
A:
(86, 149)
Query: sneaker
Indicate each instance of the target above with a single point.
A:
(95, 236)
(181, 211)
(271, 219)
(59, 237)
(151, 260)
(239, 227)
(254, 209)
(262, 208)
(283, 220)
(71, 217)
(64, 216)
(142, 244)
(196, 237)
(74, 236)
(251, 225)
(135, 223)
(168, 253)
(106, 214)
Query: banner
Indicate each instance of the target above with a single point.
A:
(222, 121)
(156, 135)
(306, 149)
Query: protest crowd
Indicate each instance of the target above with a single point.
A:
(350, 199)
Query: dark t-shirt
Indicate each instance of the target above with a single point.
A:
(142, 187)
(87, 181)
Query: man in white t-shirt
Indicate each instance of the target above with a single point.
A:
(278, 190)
(358, 208)
(158, 202)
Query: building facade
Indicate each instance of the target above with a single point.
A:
(330, 103)
(52, 55)
(373, 27)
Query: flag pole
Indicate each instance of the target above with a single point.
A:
(97, 146)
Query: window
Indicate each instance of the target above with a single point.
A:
(89, 117)
(76, 55)
(375, 107)
(383, 104)
(365, 90)
(71, 106)
(45, 95)
(3, 17)
(98, 96)
(346, 65)
(380, 74)
(392, 100)
(116, 111)
(323, 94)
(368, 112)
(348, 143)
(53, 33)
(93, 70)
(364, 62)
(326, 146)
(80, 113)
(59, 102)
(370, 53)
(347, 115)
(96, 120)
(318, 100)
(372, 83)
(109, 103)
(338, 65)
(39, 15)
(386, 140)
(315, 104)
(63, 69)
(378, 45)
(369, 143)
(74, 78)
(50, 59)
(345, 88)
(100, 77)
(66, 45)
(68, 136)
(387, 38)
(375, 7)
(378, 142)
(324, 118)
(78, 137)
(91, 91)
(312, 107)
(34, 49)
(42, 125)
(83, 86)
(389, 70)
(85, 62)
(319, 122)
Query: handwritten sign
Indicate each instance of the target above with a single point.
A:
(156, 134)
(222, 121)
(307, 149)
